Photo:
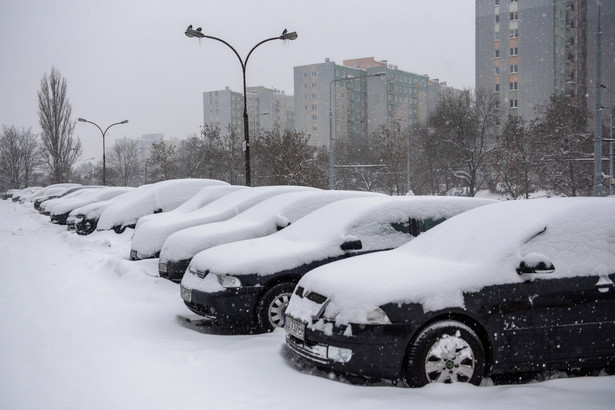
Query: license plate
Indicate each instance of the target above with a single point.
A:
(295, 328)
(186, 294)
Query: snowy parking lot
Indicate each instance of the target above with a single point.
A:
(83, 327)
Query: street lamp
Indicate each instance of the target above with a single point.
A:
(331, 154)
(103, 139)
(190, 32)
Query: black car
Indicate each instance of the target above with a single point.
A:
(248, 283)
(520, 286)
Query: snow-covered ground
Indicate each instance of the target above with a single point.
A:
(82, 327)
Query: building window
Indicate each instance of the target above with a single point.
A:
(513, 68)
(513, 1)
(497, 87)
(497, 36)
(513, 104)
(514, 51)
(514, 86)
(514, 33)
(496, 2)
(497, 70)
(497, 53)
(497, 18)
(514, 16)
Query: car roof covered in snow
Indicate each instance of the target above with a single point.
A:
(318, 236)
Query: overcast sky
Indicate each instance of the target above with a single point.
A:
(130, 59)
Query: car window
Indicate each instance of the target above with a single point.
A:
(415, 226)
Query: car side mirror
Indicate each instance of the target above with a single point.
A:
(535, 264)
(352, 245)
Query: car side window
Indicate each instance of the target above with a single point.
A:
(415, 226)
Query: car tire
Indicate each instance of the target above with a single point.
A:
(272, 306)
(445, 352)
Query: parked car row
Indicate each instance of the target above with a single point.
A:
(413, 289)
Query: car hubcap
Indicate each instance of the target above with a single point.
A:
(450, 359)
(277, 309)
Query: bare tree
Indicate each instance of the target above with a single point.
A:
(162, 163)
(287, 158)
(561, 139)
(357, 165)
(393, 148)
(124, 160)
(465, 128)
(19, 156)
(191, 157)
(59, 149)
(514, 160)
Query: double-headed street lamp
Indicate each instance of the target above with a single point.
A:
(103, 139)
(331, 154)
(190, 32)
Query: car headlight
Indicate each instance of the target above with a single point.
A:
(228, 281)
(339, 354)
(378, 316)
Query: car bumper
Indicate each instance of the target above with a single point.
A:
(86, 226)
(59, 219)
(136, 255)
(173, 270)
(373, 351)
(229, 307)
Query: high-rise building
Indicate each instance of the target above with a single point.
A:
(267, 109)
(527, 51)
(361, 95)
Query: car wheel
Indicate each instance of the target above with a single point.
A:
(445, 352)
(272, 306)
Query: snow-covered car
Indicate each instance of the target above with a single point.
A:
(59, 211)
(177, 251)
(83, 220)
(202, 198)
(264, 218)
(247, 284)
(149, 199)
(49, 192)
(16, 197)
(518, 286)
(152, 230)
(9, 193)
(70, 194)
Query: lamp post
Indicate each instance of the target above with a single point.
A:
(103, 141)
(331, 153)
(190, 32)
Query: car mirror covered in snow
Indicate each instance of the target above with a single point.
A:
(535, 264)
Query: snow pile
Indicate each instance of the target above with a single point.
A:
(84, 328)
(441, 264)
(151, 198)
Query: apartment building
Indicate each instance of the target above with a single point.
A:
(361, 94)
(267, 109)
(527, 51)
